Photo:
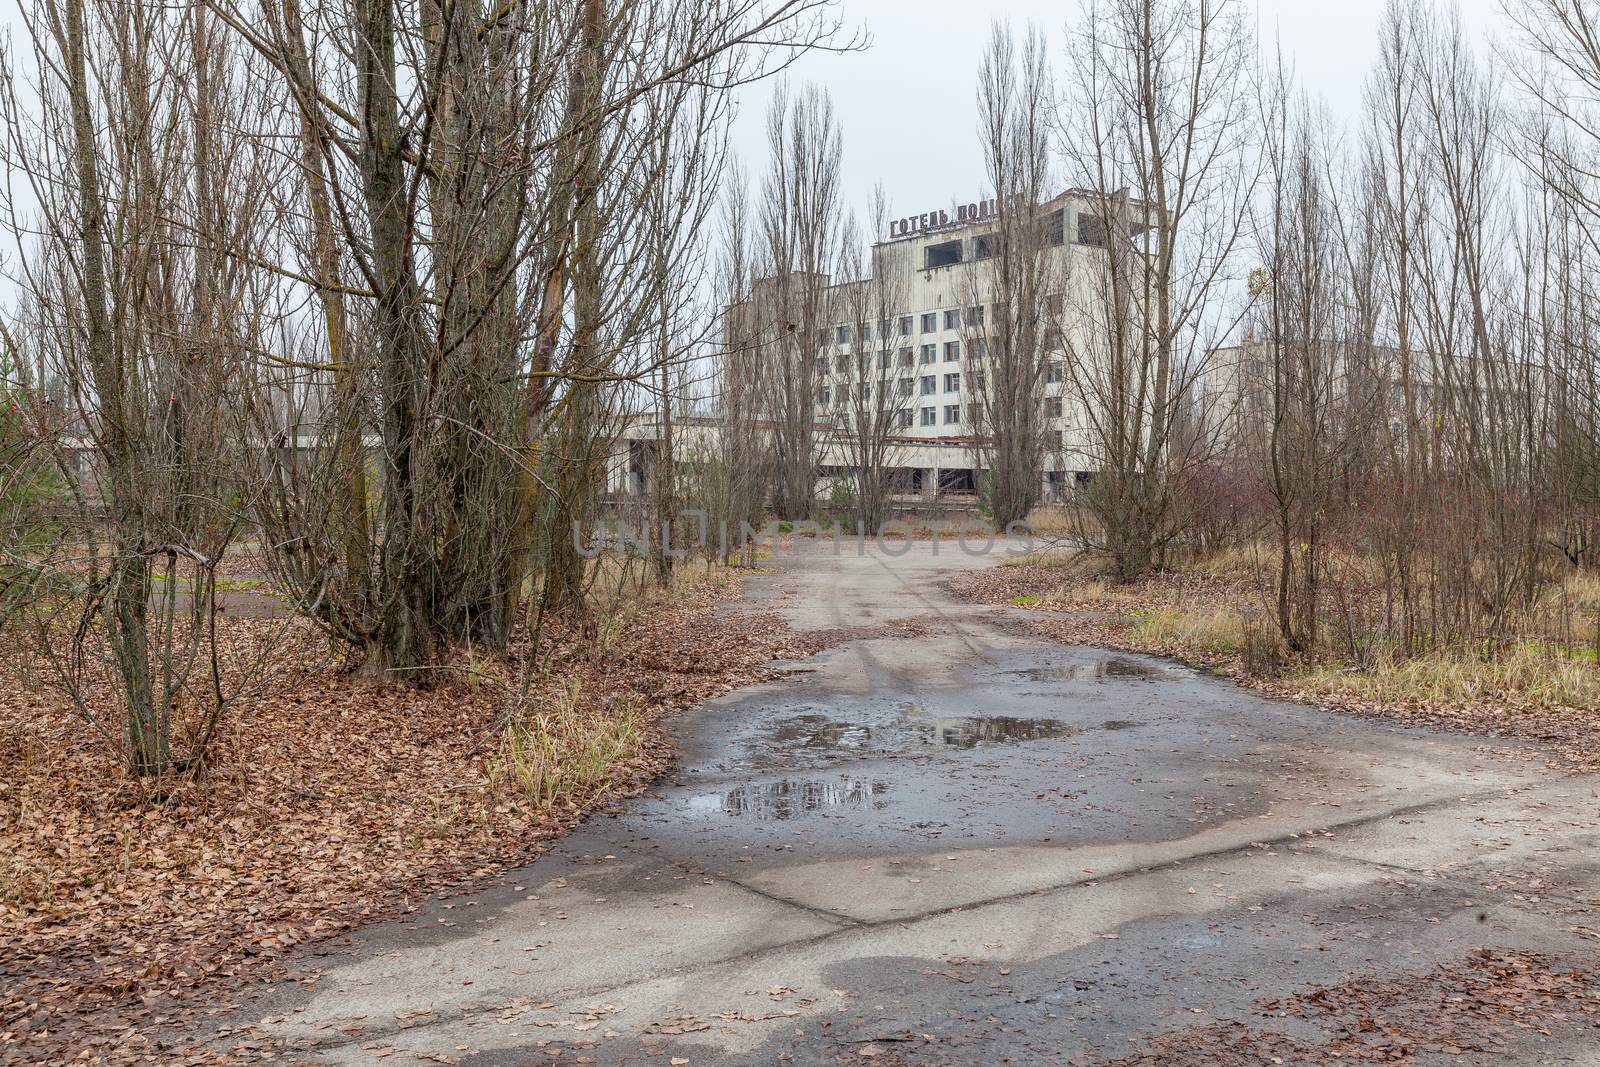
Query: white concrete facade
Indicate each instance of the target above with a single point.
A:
(926, 344)
(936, 268)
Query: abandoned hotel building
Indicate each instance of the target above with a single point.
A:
(926, 339)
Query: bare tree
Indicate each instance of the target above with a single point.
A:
(1015, 271)
(868, 403)
(1305, 352)
(733, 473)
(799, 246)
(475, 188)
(141, 324)
(1157, 124)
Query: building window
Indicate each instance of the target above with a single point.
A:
(929, 353)
(1055, 227)
(822, 338)
(930, 322)
(842, 334)
(883, 360)
(841, 363)
(952, 320)
(946, 254)
(1052, 373)
(905, 325)
(903, 417)
(952, 351)
(1052, 339)
(905, 357)
(1052, 407)
(980, 347)
(979, 383)
(930, 385)
(1052, 304)
(952, 383)
(952, 413)
(930, 416)
(823, 395)
(864, 391)
(975, 315)
(985, 245)
(905, 386)
(1091, 230)
(820, 364)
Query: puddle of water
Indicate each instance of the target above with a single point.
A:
(967, 732)
(793, 798)
(1099, 670)
(819, 731)
(913, 728)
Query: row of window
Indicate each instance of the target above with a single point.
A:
(930, 352)
(929, 416)
(928, 385)
(929, 323)
(1054, 406)
(1091, 231)
(1053, 373)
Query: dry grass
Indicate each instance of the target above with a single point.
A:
(1216, 631)
(1216, 610)
(1059, 520)
(1244, 563)
(1521, 676)
(564, 755)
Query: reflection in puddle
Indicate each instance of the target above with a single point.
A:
(819, 731)
(1113, 667)
(915, 728)
(790, 798)
(966, 732)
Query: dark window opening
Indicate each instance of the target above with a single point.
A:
(1055, 227)
(943, 255)
(958, 480)
(1091, 230)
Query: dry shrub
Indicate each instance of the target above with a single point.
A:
(1263, 651)
(564, 755)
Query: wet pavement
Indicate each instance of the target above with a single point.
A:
(971, 845)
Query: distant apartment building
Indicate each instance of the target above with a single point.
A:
(1358, 383)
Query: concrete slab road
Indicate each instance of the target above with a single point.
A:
(971, 847)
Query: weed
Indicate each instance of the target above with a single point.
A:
(565, 755)
(1214, 631)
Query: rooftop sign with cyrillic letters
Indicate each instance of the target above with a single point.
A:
(934, 220)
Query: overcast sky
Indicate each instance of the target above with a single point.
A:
(907, 104)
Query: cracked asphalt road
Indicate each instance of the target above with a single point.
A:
(974, 846)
